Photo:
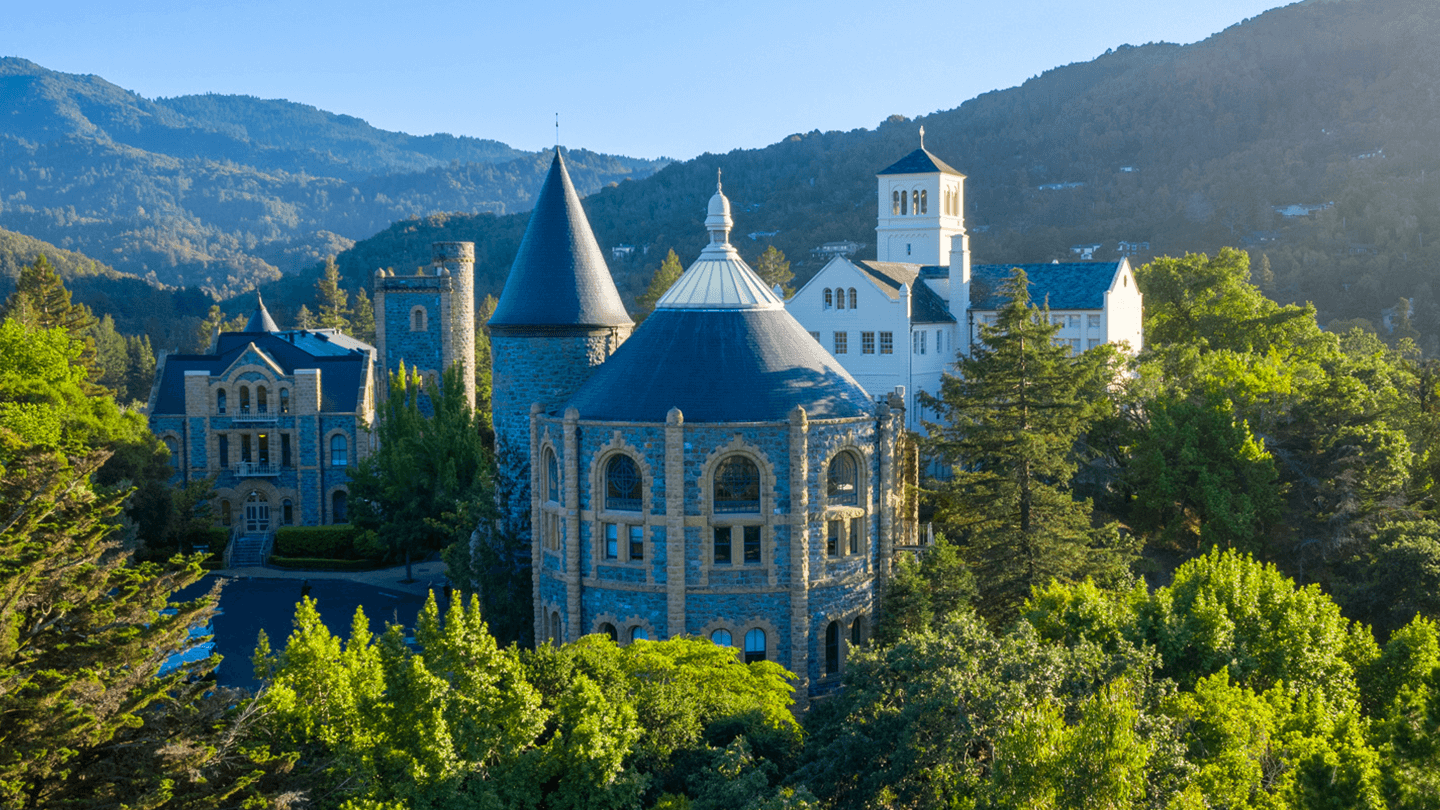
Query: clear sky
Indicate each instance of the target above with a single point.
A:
(644, 78)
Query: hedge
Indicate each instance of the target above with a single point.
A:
(317, 542)
(321, 564)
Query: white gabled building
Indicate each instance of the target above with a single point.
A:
(897, 322)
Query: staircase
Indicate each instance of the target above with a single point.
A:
(250, 549)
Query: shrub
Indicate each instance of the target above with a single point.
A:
(320, 542)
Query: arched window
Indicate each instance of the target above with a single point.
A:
(857, 631)
(244, 400)
(418, 318)
(552, 477)
(220, 401)
(839, 298)
(257, 512)
(915, 201)
(721, 637)
(339, 503)
(924, 203)
(829, 298)
(737, 485)
(339, 451)
(852, 298)
(174, 448)
(609, 630)
(832, 648)
(622, 484)
(842, 482)
(284, 400)
(225, 517)
(638, 633)
(262, 400)
(894, 202)
(904, 204)
(755, 646)
(287, 512)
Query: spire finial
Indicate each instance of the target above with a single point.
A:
(557, 132)
(922, 136)
(717, 181)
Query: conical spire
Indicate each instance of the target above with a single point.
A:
(559, 277)
(261, 320)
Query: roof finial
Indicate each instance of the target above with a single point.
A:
(922, 136)
(557, 132)
(717, 181)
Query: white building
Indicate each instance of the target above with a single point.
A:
(897, 322)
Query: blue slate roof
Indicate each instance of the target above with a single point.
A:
(925, 305)
(559, 277)
(918, 162)
(1068, 285)
(261, 320)
(340, 358)
(749, 365)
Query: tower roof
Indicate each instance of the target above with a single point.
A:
(919, 162)
(719, 279)
(261, 320)
(559, 277)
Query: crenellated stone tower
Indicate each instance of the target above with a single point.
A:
(427, 320)
(558, 318)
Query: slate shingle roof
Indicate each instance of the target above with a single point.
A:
(1069, 285)
(261, 320)
(918, 162)
(925, 305)
(742, 365)
(340, 358)
(559, 277)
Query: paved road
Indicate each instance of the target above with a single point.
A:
(427, 575)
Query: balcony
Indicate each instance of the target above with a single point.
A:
(256, 469)
(245, 416)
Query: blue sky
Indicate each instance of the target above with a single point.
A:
(642, 78)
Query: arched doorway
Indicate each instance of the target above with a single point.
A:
(257, 513)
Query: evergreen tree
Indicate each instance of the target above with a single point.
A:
(773, 269)
(334, 301)
(669, 273)
(362, 323)
(41, 300)
(140, 367)
(304, 319)
(484, 364)
(1011, 418)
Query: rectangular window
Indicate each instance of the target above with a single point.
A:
(752, 544)
(612, 541)
(815, 335)
(842, 340)
(1058, 320)
(263, 442)
(1095, 342)
(285, 450)
(917, 340)
(1073, 321)
(224, 451)
(1092, 321)
(832, 537)
(722, 545)
(637, 542)
(887, 342)
(550, 530)
(1074, 345)
(855, 535)
(245, 448)
(867, 342)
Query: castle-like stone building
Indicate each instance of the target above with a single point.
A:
(427, 320)
(715, 473)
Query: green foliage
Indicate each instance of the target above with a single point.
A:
(925, 593)
(1012, 415)
(330, 542)
(333, 302)
(774, 270)
(665, 277)
(484, 365)
(362, 318)
(322, 563)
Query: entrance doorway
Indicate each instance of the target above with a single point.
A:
(257, 513)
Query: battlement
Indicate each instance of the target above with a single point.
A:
(427, 319)
(387, 281)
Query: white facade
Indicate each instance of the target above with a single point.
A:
(898, 322)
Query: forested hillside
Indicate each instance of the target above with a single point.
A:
(1188, 148)
(224, 192)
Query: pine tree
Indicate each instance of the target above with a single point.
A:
(362, 323)
(304, 319)
(334, 302)
(1011, 419)
(484, 362)
(41, 300)
(669, 272)
(774, 269)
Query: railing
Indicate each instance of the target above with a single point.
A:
(235, 534)
(250, 417)
(256, 469)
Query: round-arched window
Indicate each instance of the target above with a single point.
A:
(852, 298)
(622, 484)
(418, 320)
(609, 630)
(829, 298)
(857, 631)
(638, 633)
(174, 448)
(894, 202)
(755, 646)
(924, 203)
(220, 401)
(839, 298)
(339, 508)
(737, 485)
(287, 512)
(244, 400)
(262, 400)
(842, 482)
(832, 648)
(552, 477)
(721, 637)
(284, 400)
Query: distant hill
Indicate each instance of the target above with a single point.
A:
(223, 192)
(1187, 148)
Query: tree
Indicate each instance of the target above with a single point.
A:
(1011, 418)
(334, 302)
(215, 322)
(303, 318)
(924, 594)
(669, 273)
(484, 366)
(41, 299)
(774, 270)
(431, 482)
(362, 323)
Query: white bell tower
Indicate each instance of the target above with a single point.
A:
(922, 209)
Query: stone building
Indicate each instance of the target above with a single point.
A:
(278, 417)
(717, 474)
(427, 321)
